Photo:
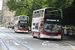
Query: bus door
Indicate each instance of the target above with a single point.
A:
(41, 27)
(16, 26)
(35, 29)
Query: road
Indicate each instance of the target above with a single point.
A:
(9, 40)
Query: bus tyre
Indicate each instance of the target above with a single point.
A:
(33, 35)
(25, 32)
(15, 31)
(39, 36)
(60, 39)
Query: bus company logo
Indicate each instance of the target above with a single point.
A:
(23, 22)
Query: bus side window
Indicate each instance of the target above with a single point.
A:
(16, 24)
(41, 24)
(41, 13)
(33, 24)
(38, 14)
(34, 14)
(36, 26)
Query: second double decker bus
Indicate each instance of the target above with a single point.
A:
(21, 23)
(46, 23)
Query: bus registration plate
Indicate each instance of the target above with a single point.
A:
(51, 36)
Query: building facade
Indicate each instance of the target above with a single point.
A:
(7, 15)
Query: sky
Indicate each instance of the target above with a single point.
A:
(0, 5)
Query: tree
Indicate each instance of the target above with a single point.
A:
(3, 21)
(69, 16)
(26, 7)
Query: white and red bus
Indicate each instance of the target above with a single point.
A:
(21, 23)
(46, 23)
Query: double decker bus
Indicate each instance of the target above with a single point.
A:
(47, 23)
(21, 23)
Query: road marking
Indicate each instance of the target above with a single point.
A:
(22, 38)
(3, 45)
(16, 44)
(7, 41)
(26, 46)
(47, 43)
(69, 44)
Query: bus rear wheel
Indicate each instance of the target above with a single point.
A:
(33, 35)
(39, 36)
(25, 32)
(15, 31)
(58, 39)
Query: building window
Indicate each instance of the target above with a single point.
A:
(8, 11)
(8, 15)
(5, 10)
(5, 14)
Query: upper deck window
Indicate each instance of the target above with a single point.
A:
(23, 18)
(38, 13)
(52, 12)
(42, 12)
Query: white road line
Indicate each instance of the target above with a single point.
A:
(70, 42)
(29, 48)
(47, 43)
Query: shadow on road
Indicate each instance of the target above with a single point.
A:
(48, 39)
(68, 37)
(23, 32)
(65, 38)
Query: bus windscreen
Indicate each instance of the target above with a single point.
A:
(52, 27)
(52, 20)
(23, 24)
(52, 13)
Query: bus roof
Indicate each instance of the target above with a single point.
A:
(43, 9)
(21, 15)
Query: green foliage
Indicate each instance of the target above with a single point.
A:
(3, 21)
(0, 12)
(26, 7)
(69, 15)
(69, 26)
